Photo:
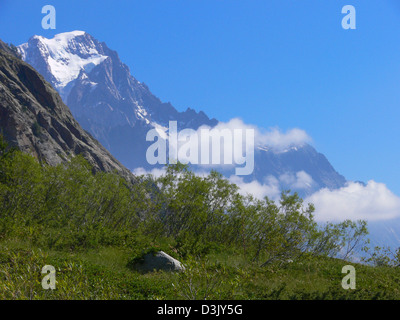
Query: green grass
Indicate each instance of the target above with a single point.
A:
(104, 274)
(90, 275)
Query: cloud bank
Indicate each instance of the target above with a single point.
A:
(372, 202)
(156, 172)
(272, 137)
(272, 186)
(231, 144)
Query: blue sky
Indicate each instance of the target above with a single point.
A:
(285, 63)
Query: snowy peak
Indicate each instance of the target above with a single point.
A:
(65, 56)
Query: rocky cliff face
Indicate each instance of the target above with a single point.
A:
(34, 118)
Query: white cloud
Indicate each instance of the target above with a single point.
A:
(279, 141)
(273, 137)
(272, 186)
(156, 172)
(269, 188)
(355, 201)
(372, 202)
(300, 180)
(228, 144)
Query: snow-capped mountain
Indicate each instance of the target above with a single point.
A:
(64, 58)
(118, 110)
